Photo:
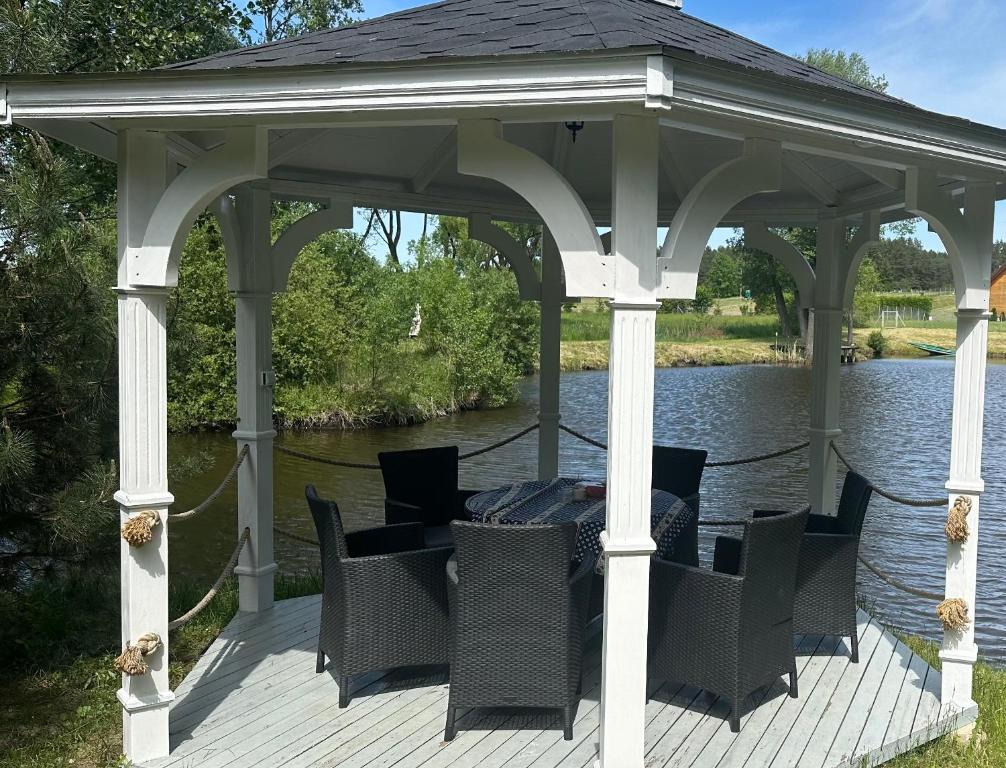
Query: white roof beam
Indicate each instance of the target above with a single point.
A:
(812, 181)
(672, 170)
(889, 177)
(283, 148)
(446, 152)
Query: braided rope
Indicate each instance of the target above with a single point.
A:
(762, 457)
(585, 438)
(897, 584)
(324, 459)
(898, 499)
(228, 479)
(363, 465)
(294, 536)
(728, 463)
(227, 572)
(500, 444)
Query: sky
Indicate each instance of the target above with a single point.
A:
(944, 55)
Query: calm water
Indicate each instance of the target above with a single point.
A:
(896, 416)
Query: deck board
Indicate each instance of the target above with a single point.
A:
(254, 701)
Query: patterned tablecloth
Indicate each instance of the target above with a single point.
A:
(550, 501)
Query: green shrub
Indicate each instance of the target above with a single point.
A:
(867, 306)
(878, 343)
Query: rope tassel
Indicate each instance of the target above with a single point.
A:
(957, 520)
(130, 661)
(139, 529)
(953, 613)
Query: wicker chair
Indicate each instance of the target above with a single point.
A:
(518, 615)
(826, 579)
(421, 486)
(729, 630)
(385, 597)
(678, 470)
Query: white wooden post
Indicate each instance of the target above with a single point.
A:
(825, 395)
(626, 538)
(959, 651)
(548, 359)
(143, 448)
(247, 236)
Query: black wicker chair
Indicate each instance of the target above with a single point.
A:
(826, 579)
(729, 630)
(518, 615)
(678, 470)
(385, 597)
(421, 486)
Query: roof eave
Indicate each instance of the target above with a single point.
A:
(697, 92)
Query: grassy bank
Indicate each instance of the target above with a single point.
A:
(57, 683)
(700, 340)
(59, 707)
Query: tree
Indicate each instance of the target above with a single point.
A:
(998, 254)
(721, 272)
(849, 66)
(389, 231)
(285, 18)
(57, 261)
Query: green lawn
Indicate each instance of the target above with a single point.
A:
(676, 327)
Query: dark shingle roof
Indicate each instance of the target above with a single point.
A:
(508, 27)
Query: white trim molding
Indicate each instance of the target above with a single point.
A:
(482, 151)
(242, 157)
(866, 238)
(337, 215)
(758, 169)
(760, 237)
(966, 235)
(481, 228)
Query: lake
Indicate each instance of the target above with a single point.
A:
(895, 413)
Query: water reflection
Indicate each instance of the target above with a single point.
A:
(896, 415)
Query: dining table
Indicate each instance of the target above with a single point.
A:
(532, 502)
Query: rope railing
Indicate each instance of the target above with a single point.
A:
(897, 498)
(227, 572)
(728, 463)
(585, 438)
(139, 528)
(364, 465)
(897, 583)
(228, 479)
(294, 536)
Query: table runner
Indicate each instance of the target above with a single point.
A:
(550, 501)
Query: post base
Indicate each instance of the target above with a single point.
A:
(145, 726)
(255, 587)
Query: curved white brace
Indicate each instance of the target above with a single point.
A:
(867, 237)
(606, 242)
(483, 152)
(304, 231)
(760, 237)
(242, 157)
(528, 282)
(226, 214)
(964, 235)
(758, 169)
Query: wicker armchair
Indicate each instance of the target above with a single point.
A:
(421, 486)
(826, 578)
(518, 615)
(385, 597)
(678, 470)
(729, 630)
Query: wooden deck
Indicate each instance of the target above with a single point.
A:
(254, 700)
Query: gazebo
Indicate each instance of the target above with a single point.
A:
(468, 108)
